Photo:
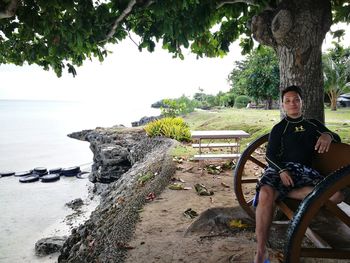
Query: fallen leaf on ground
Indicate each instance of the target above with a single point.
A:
(150, 197)
(202, 190)
(124, 245)
(235, 257)
(178, 160)
(176, 186)
(212, 169)
(188, 170)
(174, 179)
(235, 223)
(225, 185)
(190, 213)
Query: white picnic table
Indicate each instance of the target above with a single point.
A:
(231, 139)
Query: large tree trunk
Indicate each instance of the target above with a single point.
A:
(296, 29)
(268, 103)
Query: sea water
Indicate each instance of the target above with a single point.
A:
(32, 134)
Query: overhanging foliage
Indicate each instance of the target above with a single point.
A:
(62, 34)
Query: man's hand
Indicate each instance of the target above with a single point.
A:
(286, 179)
(323, 143)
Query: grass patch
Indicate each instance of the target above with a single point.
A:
(184, 151)
(339, 122)
(258, 121)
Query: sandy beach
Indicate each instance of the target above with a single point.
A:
(29, 212)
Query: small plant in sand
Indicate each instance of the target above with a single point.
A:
(175, 128)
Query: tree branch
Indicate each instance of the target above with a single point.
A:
(249, 2)
(123, 15)
(10, 10)
(133, 39)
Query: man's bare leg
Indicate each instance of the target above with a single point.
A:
(264, 213)
(337, 198)
(302, 192)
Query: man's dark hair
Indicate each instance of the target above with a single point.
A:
(292, 88)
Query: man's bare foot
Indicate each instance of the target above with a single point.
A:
(261, 257)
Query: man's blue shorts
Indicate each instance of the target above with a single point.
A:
(302, 175)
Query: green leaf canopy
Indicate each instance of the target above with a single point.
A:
(61, 34)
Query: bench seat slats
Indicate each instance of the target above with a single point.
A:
(215, 145)
(216, 156)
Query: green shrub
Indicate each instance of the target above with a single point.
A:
(242, 101)
(176, 107)
(175, 128)
(227, 100)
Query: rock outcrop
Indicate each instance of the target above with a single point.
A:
(115, 150)
(144, 120)
(49, 245)
(121, 157)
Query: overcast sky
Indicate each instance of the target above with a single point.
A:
(125, 74)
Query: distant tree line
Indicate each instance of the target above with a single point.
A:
(256, 80)
(258, 75)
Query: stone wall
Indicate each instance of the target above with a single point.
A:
(102, 237)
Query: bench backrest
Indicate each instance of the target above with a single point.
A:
(338, 156)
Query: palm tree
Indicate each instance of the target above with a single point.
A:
(336, 72)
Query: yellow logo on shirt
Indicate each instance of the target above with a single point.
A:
(299, 129)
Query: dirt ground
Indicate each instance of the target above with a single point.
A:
(165, 234)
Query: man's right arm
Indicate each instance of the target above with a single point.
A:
(274, 148)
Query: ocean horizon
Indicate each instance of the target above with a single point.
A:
(34, 132)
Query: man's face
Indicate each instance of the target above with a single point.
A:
(292, 104)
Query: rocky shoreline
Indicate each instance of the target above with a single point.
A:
(129, 170)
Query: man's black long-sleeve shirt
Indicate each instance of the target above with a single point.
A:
(294, 140)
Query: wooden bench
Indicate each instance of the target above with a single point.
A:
(307, 217)
(213, 140)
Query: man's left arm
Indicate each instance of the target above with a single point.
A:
(326, 137)
(320, 128)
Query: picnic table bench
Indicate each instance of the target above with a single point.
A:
(326, 224)
(229, 139)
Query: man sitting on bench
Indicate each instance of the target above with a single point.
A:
(291, 147)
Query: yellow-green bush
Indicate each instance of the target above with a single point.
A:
(175, 128)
